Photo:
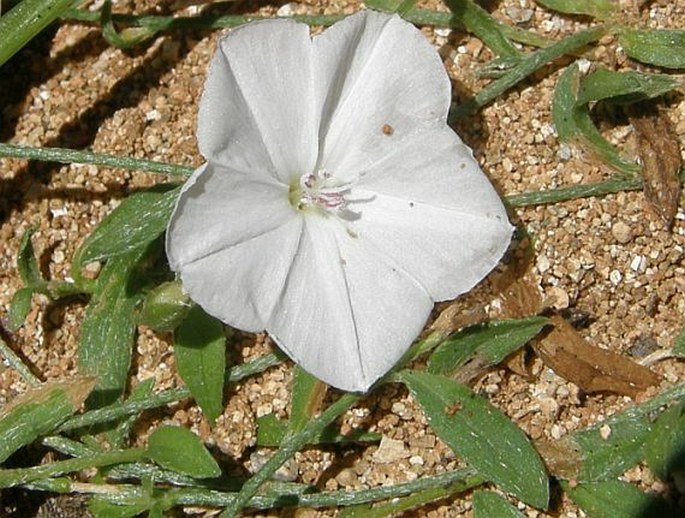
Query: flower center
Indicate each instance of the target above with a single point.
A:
(318, 191)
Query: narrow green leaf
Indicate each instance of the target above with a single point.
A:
(665, 445)
(623, 87)
(485, 344)
(478, 21)
(481, 435)
(118, 437)
(601, 9)
(27, 264)
(137, 221)
(487, 504)
(679, 346)
(24, 21)
(271, 431)
(614, 498)
(39, 412)
(574, 125)
(200, 349)
(307, 394)
(660, 47)
(20, 307)
(400, 7)
(179, 449)
(108, 328)
(101, 508)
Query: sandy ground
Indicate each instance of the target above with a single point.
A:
(608, 259)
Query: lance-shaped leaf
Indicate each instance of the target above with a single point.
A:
(479, 347)
(660, 47)
(574, 125)
(108, 329)
(601, 9)
(39, 412)
(665, 445)
(487, 504)
(623, 87)
(200, 349)
(613, 498)
(482, 435)
(137, 221)
(179, 449)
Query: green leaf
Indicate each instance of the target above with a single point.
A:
(20, 307)
(660, 47)
(679, 346)
(478, 21)
(307, 394)
(400, 7)
(574, 125)
(487, 504)
(665, 445)
(38, 412)
(483, 344)
(601, 9)
(271, 431)
(108, 328)
(614, 498)
(179, 449)
(200, 349)
(127, 38)
(137, 221)
(482, 435)
(623, 87)
(27, 264)
(24, 21)
(118, 437)
(101, 508)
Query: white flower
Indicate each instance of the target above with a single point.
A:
(336, 205)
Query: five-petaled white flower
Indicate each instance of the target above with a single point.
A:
(336, 205)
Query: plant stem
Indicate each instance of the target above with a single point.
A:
(17, 364)
(68, 156)
(527, 66)
(290, 445)
(117, 410)
(612, 185)
(15, 477)
(459, 480)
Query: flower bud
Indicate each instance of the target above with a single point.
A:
(165, 307)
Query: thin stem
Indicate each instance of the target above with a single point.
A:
(290, 445)
(613, 185)
(526, 67)
(18, 476)
(17, 364)
(68, 156)
(118, 410)
(458, 480)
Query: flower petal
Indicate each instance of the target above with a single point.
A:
(357, 315)
(446, 227)
(258, 111)
(383, 82)
(232, 237)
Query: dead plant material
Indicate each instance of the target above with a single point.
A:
(591, 368)
(659, 152)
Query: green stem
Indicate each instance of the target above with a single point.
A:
(17, 364)
(290, 445)
(68, 156)
(24, 21)
(613, 185)
(15, 477)
(527, 66)
(459, 480)
(118, 410)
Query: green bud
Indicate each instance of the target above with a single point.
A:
(165, 307)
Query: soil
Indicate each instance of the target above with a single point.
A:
(608, 259)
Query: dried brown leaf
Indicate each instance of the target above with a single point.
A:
(591, 368)
(659, 151)
(563, 457)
